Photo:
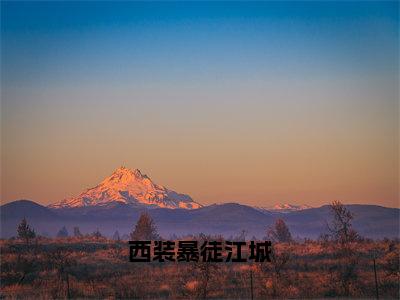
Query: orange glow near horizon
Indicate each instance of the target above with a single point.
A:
(261, 154)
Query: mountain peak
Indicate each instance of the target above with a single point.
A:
(290, 207)
(129, 187)
(283, 208)
(123, 173)
(123, 169)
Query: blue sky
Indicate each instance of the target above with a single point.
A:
(109, 41)
(275, 89)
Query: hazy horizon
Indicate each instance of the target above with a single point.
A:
(256, 103)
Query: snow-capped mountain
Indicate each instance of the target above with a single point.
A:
(283, 208)
(129, 187)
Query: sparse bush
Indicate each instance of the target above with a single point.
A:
(116, 236)
(77, 232)
(97, 234)
(280, 232)
(25, 232)
(340, 228)
(344, 236)
(62, 233)
(145, 229)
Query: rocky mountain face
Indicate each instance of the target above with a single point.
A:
(129, 187)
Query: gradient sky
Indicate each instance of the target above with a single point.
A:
(258, 103)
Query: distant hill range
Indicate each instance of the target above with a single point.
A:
(116, 203)
(226, 219)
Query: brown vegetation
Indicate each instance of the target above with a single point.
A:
(88, 267)
(340, 264)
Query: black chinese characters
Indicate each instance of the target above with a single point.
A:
(193, 251)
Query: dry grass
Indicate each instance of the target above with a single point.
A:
(88, 268)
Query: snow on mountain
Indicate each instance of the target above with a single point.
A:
(129, 187)
(290, 207)
(283, 208)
